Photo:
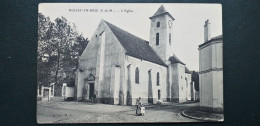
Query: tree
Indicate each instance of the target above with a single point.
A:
(61, 40)
(195, 79)
(44, 37)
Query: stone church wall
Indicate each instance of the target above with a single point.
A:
(141, 89)
(101, 65)
(178, 86)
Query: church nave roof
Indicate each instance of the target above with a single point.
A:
(135, 46)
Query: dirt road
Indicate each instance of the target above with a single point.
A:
(78, 112)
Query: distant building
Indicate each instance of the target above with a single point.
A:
(211, 70)
(117, 67)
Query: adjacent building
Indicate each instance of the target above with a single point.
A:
(211, 70)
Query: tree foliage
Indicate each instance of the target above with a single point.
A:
(195, 79)
(63, 43)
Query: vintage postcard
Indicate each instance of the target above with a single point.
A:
(129, 63)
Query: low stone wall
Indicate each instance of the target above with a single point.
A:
(57, 99)
(177, 100)
(39, 98)
(69, 99)
(111, 100)
(69, 92)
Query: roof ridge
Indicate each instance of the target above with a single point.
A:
(135, 46)
(123, 30)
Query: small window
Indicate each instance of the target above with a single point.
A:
(137, 75)
(157, 38)
(158, 24)
(170, 38)
(158, 79)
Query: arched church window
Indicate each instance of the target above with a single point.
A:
(157, 38)
(137, 75)
(158, 24)
(158, 79)
(170, 38)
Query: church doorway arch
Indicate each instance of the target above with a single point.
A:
(90, 87)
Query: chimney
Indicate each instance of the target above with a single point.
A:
(207, 31)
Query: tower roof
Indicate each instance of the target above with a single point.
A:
(161, 11)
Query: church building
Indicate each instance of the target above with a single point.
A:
(118, 67)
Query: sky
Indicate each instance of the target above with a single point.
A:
(188, 26)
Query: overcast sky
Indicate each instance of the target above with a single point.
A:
(188, 25)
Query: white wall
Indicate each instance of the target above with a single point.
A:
(206, 89)
(178, 86)
(69, 92)
(206, 58)
(188, 86)
(141, 89)
(164, 49)
(101, 65)
(217, 55)
(218, 89)
(115, 84)
(211, 75)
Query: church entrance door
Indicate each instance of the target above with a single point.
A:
(91, 90)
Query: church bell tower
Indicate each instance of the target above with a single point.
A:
(161, 33)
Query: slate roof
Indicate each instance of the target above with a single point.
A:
(187, 70)
(161, 11)
(135, 46)
(174, 59)
(220, 37)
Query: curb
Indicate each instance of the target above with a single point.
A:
(201, 119)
